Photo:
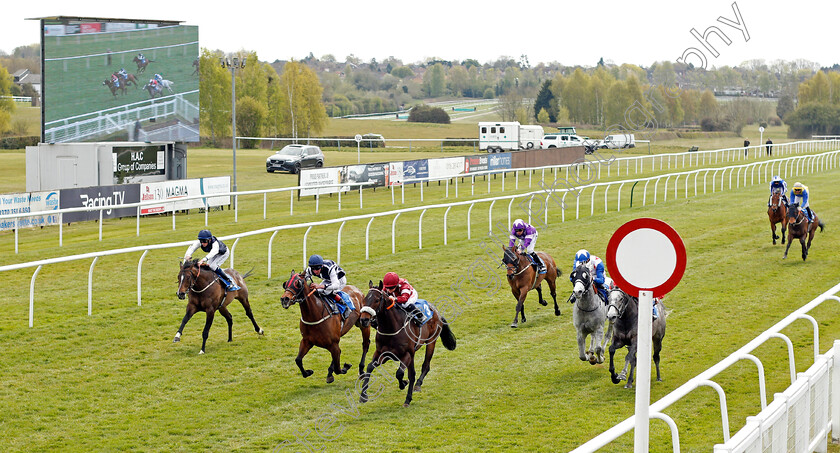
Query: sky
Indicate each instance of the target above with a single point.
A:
(571, 33)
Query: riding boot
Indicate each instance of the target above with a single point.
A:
(655, 312)
(416, 315)
(539, 262)
(231, 286)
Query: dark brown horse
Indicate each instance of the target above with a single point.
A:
(128, 80)
(624, 309)
(397, 338)
(522, 278)
(141, 65)
(320, 327)
(207, 293)
(114, 88)
(778, 214)
(800, 228)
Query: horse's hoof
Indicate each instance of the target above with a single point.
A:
(406, 404)
(615, 379)
(543, 303)
(556, 312)
(513, 326)
(416, 388)
(330, 379)
(346, 367)
(628, 385)
(307, 373)
(261, 332)
(363, 398)
(622, 377)
(176, 340)
(403, 384)
(659, 380)
(201, 352)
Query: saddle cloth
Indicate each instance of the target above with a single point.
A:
(425, 309)
(339, 307)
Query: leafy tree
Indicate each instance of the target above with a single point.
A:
(402, 72)
(459, 80)
(814, 118)
(708, 105)
(7, 106)
(434, 81)
(784, 106)
(299, 94)
(543, 103)
(251, 116)
(214, 97)
(428, 114)
(543, 117)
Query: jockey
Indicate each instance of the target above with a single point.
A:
(122, 72)
(141, 57)
(158, 78)
(115, 80)
(404, 294)
(799, 194)
(778, 185)
(217, 253)
(333, 280)
(527, 234)
(596, 268)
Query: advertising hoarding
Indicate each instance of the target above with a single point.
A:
(99, 196)
(21, 203)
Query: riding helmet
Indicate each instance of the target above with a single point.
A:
(316, 261)
(518, 224)
(205, 235)
(797, 188)
(777, 178)
(582, 255)
(391, 279)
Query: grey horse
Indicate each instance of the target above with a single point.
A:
(588, 316)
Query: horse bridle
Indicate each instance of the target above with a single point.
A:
(372, 312)
(193, 280)
(300, 298)
(515, 264)
(585, 289)
(799, 211)
(625, 297)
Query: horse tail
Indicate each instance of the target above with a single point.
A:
(446, 336)
(821, 225)
(248, 274)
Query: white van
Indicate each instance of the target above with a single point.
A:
(496, 137)
(619, 141)
(560, 141)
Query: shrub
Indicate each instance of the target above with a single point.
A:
(428, 114)
(18, 142)
(775, 120)
(713, 125)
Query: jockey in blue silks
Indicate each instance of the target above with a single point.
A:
(527, 235)
(799, 194)
(217, 253)
(778, 185)
(334, 280)
(159, 78)
(141, 57)
(596, 268)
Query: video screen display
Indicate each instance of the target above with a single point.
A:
(119, 80)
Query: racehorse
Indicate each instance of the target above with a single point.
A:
(128, 79)
(778, 214)
(207, 294)
(154, 90)
(588, 316)
(166, 84)
(799, 228)
(141, 65)
(522, 277)
(114, 88)
(624, 309)
(397, 338)
(320, 327)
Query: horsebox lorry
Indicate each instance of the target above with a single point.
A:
(497, 137)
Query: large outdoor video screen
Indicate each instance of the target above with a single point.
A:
(119, 80)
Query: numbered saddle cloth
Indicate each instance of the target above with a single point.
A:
(425, 309)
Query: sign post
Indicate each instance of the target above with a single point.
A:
(358, 148)
(645, 257)
(761, 139)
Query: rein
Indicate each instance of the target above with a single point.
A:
(199, 291)
(586, 290)
(379, 332)
(303, 300)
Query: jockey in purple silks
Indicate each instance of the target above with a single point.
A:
(527, 235)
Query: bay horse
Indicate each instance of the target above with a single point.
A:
(777, 211)
(398, 338)
(141, 65)
(625, 310)
(799, 228)
(207, 293)
(128, 79)
(320, 327)
(111, 86)
(522, 277)
(588, 316)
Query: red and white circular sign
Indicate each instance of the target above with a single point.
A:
(646, 254)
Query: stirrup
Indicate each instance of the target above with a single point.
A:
(233, 287)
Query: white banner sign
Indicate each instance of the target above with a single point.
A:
(21, 203)
(171, 191)
(320, 177)
(448, 166)
(395, 174)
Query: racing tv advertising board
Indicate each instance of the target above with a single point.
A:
(119, 80)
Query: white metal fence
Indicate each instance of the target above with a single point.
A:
(789, 166)
(562, 175)
(798, 419)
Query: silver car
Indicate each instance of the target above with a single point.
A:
(294, 157)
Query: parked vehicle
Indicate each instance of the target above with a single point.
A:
(561, 141)
(294, 157)
(570, 130)
(496, 137)
(618, 141)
